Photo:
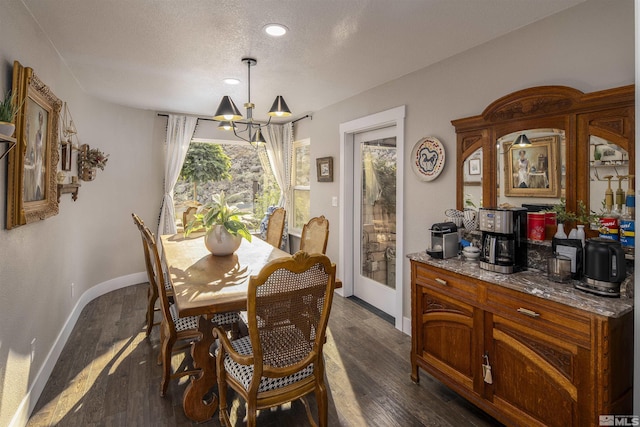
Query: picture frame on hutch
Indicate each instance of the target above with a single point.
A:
(532, 171)
(32, 166)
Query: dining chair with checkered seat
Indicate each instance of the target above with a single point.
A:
(281, 359)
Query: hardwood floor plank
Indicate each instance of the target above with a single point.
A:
(107, 376)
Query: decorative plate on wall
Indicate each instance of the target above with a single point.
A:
(427, 158)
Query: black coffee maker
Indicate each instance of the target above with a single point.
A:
(504, 239)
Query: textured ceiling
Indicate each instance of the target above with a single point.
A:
(171, 56)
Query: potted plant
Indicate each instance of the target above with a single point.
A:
(225, 225)
(90, 159)
(568, 218)
(8, 112)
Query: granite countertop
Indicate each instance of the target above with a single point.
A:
(534, 282)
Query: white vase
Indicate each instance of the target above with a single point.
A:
(581, 234)
(7, 128)
(220, 242)
(560, 234)
(573, 234)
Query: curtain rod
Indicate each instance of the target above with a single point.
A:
(211, 120)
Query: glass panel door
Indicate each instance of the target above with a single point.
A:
(375, 159)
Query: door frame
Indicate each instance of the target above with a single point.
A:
(391, 117)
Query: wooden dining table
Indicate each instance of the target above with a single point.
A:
(203, 285)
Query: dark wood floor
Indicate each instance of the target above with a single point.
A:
(107, 376)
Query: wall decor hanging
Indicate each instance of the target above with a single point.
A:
(89, 161)
(427, 158)
(31, 169)
(324, 167)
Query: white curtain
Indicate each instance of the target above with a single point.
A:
(179, 133)
(279, 150)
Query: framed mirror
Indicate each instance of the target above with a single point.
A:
(559, 121)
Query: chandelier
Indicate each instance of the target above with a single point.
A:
(230, 117)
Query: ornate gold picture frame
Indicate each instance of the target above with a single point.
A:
(32, 165)
(532, 171)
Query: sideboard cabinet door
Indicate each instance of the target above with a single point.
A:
(535, 375)
(446, 341)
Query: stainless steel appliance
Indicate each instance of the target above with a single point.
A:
(504, 239)
(604, 267)
(444, 242)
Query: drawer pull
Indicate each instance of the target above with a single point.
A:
(527, 312)
(442, 281)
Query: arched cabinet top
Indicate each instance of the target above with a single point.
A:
(607, 113)
(533, 102)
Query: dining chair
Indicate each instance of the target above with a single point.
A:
(281, 359)
(275, 227)
(315, 235)
(152, 290)
(174, 328)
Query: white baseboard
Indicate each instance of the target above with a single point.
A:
(21, 417)
(406, 325)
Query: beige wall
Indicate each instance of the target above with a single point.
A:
(91, 240)
(589, 47)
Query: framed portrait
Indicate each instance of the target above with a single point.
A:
(32, 166)
(532, 171)
(474, 167)
(324, 167)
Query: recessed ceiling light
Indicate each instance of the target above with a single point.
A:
(231, 81)
(275, 30)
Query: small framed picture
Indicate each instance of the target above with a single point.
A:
(474, 166)
(325, 169)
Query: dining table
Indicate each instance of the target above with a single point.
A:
(203, 285)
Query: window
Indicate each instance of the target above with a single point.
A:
(246, 175)
(300, 188)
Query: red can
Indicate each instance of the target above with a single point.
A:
(535, 225)
(609, 228)
(550, 225)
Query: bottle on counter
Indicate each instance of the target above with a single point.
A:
(560, 234)
(580, 234)
(627, 221)
(609, 221)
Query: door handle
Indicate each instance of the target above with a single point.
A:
(528, 312)
(442, 281)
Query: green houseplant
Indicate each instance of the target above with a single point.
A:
(583, 216)
(225, 225)
(8, 111)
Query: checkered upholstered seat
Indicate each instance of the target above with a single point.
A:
(244, 373)
(288, 307)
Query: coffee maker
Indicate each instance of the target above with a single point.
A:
(504, 239)
(444, 242)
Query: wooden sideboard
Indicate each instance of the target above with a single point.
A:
(551, 364)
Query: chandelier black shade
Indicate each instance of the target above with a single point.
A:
(279, 108)
(226, 126)
(227, 111)
(258, 139)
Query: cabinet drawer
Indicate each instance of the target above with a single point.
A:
(447, 282)
(539, 314)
